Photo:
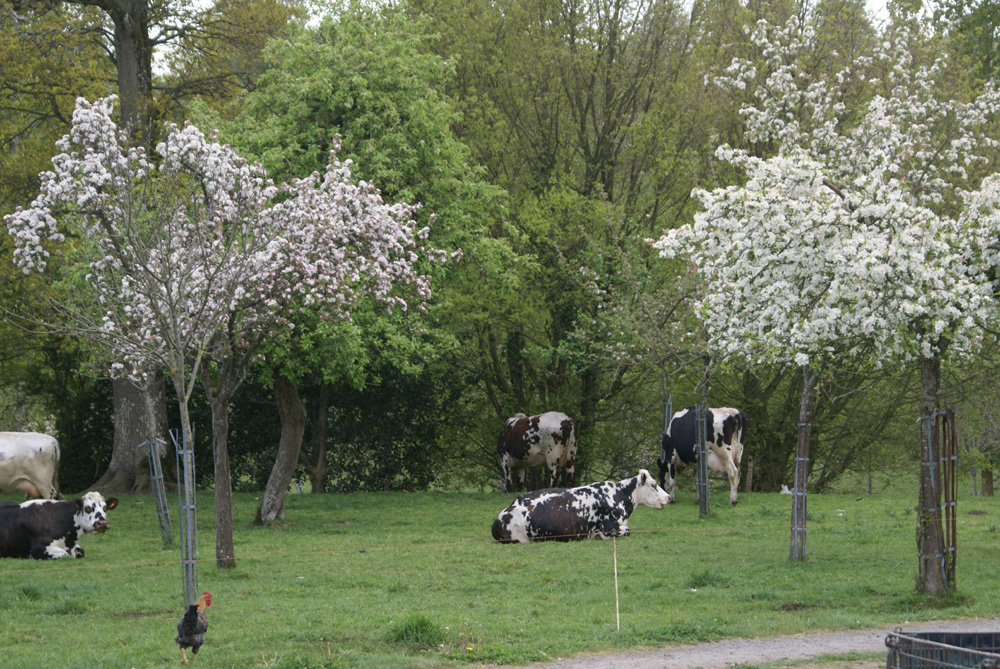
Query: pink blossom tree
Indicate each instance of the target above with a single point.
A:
(195, 259)
(859, 237)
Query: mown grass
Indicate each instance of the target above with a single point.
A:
(415, 580)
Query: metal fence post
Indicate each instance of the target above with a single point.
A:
(157, 488)
(668, 413)
(700, 418)
(186, 506)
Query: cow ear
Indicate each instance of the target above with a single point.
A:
(112, 502)
(79, 504)
(643, 477)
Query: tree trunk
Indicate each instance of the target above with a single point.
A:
(318, 467)
(140, 415)
(987, 482)
(133, 62)
(807, 405)
(293, 426)
(218, 395)
(930, 540)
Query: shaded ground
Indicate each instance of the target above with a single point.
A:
(785, 651)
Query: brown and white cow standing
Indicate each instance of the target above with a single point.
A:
(29, 462)
(528, 441)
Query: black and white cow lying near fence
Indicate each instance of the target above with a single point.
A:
(599, 510)
(47, 529)
(724, 430)
(527, 441)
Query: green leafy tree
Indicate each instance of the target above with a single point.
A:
(368, 81)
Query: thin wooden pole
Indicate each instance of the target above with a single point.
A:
(614, 550)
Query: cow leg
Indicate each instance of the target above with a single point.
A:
(47, 551)
(663, 470)
(733, 472)
(520, 478)
(734, 483)
(671, 481)
(504, 474)
(553, 474)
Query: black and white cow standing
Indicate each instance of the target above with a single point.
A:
(46, 529)
(724, 430)
(599, 510)
(547, 439)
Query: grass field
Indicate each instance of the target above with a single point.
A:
(415, 580)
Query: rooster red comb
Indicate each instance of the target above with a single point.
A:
(204, 601)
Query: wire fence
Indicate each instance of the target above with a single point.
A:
(369, 549)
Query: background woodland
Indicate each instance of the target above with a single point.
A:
(549, 142)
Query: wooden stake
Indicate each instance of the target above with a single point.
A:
(614, 549)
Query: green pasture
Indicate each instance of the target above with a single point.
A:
(415, 580)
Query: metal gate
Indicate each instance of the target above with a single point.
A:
(940, 650)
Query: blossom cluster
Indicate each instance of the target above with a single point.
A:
(201, 253)
(845, 240)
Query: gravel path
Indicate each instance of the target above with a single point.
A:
(720, 654)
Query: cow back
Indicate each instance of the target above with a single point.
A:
(679, 439)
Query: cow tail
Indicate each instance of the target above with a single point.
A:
(570, 440)
(55, 477)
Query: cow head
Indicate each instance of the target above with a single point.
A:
(90, 512)
(648, 493)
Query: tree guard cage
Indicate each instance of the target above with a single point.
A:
(668, 413)
(157, 488)
(186, 506)
(941, 437)
(949, 455)
(797, 548)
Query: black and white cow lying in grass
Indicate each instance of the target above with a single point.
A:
(46, 529)
(599, 510)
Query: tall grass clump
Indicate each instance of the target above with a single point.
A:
(417, 630)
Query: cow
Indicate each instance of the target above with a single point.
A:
(599, 510)
(528, 441)
(29, 462)
(47, 529)
(724, 430)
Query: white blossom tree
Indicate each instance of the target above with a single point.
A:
(847, 241)
(196, 258)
